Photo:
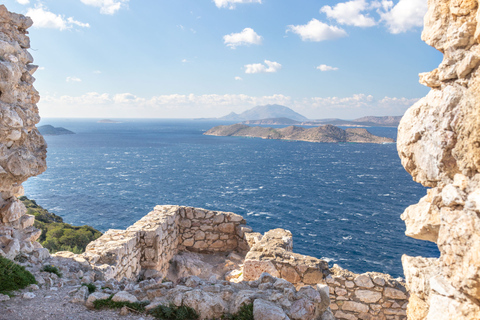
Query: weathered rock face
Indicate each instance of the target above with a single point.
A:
(22, 148)
(439, 144)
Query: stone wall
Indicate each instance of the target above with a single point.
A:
(22, 148)
(439, 145)
(272, 253)
(366, 296)
(154, 240)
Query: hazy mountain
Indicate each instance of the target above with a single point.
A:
(265, 112)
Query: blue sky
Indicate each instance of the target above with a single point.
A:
(206, 58)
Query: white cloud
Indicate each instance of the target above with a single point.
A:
(269, 66)
(238, 78)
(97, 72)
(246, 37)
(317, 31)
(42, 18)
(349, 13)
(324, 67)
(23, 1)
(126, 105)
(230, 4)
(73, 79)
(106, 6)
(405, 15)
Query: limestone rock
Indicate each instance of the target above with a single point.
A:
(208, 305)
(266, 310)
(94, 297)
(368, 296)
(81, 295)
(28, 295)
(439, 145)
(22, 148)
(124, 296)
(364, 281)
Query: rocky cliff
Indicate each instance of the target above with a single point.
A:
(439, 144)
(326, 133)
(22, 148)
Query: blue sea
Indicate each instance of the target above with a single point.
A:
(342, 202)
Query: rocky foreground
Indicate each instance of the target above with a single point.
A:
(326, 133)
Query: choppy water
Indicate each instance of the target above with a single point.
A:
(341, 201)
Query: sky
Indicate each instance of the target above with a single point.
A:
(207, 58)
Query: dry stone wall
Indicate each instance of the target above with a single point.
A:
(366, 296)
(22, 148)
(439, 145)
(272, 253)
(154, 240)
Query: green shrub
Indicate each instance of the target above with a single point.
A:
(91, 287)
(110, 304)
(244, 313)
(13, 277)
(172, 312)
(57, 235)
(52, 269)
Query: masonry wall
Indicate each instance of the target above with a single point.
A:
(366, 296)
(272, 253)
(156, 238)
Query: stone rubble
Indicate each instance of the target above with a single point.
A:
(438, 143)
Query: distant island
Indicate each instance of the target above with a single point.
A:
(327, 133)
(274, 114)
(48, 130)
(107, 121)
(388, 121)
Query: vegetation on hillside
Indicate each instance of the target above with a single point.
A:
(13, 277)
(57, 235)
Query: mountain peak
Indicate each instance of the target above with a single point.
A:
(265, 112)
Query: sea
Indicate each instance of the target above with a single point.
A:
(341, 201)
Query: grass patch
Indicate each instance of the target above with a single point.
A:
(52, 269)
(110, 304)
(57, 235)
(244, 313)
(13, 277)
(90, 286)
(172, 312)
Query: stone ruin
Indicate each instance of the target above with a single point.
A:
(174, 242)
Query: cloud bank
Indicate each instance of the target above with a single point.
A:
(128, 105)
